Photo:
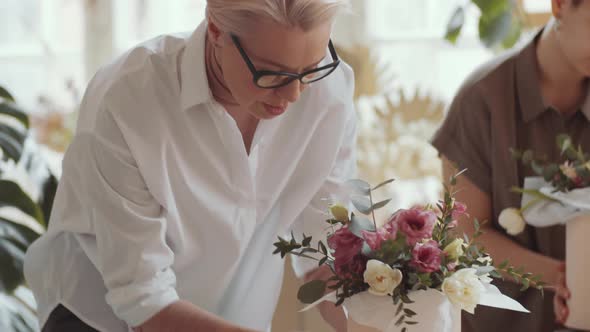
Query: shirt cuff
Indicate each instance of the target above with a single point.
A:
(137, 303)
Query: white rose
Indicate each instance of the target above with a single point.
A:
(485, 260)
(512, 221)
(381, 278)
(463, 288)
(454, 250)
(569, 170)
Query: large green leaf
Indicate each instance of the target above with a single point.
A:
(47, 197)
(10, 146)
(514, 34)
(311, 291)
(12, 257)
(14, 241)
(21, 235)
(6, 95)
(10, 110)
(492, 8)
(15, 133)
(11, 194)
(455, 25)
(16, 316)
(493, 30)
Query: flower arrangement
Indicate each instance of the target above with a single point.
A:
(415, 249)
(559, 195)
(571, 174)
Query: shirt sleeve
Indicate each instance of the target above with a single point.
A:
(465, 137)
(312, 221)
(126, 224)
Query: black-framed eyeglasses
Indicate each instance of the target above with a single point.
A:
(268, 79)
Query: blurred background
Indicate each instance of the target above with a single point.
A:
(409, 57)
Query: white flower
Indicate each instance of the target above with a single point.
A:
(512, 221)
(569, 170)
(486, 260)
(463, 288)
(381, 278)
(454, 250)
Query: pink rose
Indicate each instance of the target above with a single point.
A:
(345, 245)
(354, 268)
(415, 223)
(384, 233)
(454, 223)
(459, 209)
(426, 257)
(452, 265)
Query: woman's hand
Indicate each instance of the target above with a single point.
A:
(562, 294)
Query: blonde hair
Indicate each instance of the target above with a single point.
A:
(236, 15)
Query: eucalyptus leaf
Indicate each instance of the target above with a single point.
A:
(538, 169)
(359, 186)
(384, 183)
(482, 270)
(359, 224)
(564, 142)
(362, 204)
(366, 250)
(312, 291)
(379, 205)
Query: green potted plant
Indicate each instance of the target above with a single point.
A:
(27, 216)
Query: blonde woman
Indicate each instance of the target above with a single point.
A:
(523, 100)
(192, 154)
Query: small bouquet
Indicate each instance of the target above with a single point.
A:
(559, 195)
(412, 270)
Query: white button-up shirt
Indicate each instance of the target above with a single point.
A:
(159, 199)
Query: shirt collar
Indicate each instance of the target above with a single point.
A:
(194, 86)
(528, 83)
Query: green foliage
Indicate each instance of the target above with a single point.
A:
(500, 23)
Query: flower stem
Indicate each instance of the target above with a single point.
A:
(372, 211)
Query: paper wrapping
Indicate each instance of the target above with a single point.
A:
(578, 270)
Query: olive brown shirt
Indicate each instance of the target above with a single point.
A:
(500, 107)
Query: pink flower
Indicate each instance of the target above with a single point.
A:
(345, 245)
(354, 268)
(426, 257)
(459, 209)
(452, 265)
(415, 223)
(384, 233)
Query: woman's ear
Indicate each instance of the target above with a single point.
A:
(557, 7)
(214, 33)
